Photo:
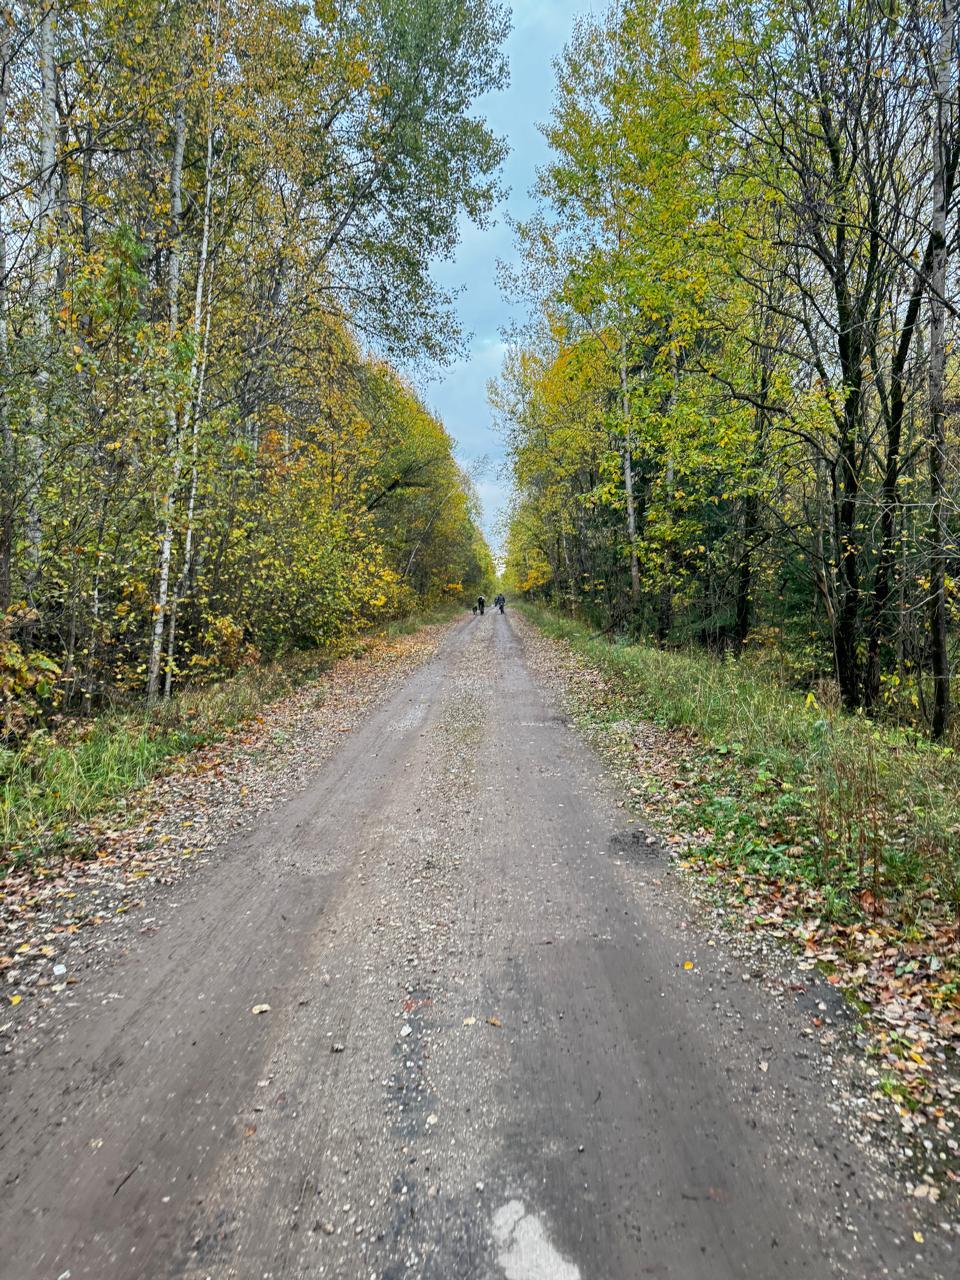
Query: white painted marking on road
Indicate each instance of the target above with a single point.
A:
(524, 1249)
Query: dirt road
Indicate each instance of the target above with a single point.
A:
(482, 1057)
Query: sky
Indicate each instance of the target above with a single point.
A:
(458, 395)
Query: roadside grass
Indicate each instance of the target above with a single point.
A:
(429, 616)
(57, 781)
(864, 817)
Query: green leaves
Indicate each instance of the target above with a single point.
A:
(198, 463)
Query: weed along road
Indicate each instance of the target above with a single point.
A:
(443, 1013)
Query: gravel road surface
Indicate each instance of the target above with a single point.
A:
(444, 1014)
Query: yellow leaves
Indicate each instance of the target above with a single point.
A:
(15, 1000)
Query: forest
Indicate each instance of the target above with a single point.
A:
(350, 927)
(733, 417)
(218, 222)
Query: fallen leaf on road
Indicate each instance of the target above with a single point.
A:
(494, 1022)
(469, 1022)
(249, 1130)
(15, 999)
(688, 964)
(764, 1066)
(260, 1008)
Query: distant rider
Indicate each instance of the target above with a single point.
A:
(481, 604)
(500, 601)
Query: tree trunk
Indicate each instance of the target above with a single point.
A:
(173, 425)
(852, 313)
(751, 522)
(939, 657)
(628, 477)
(886, 555)
(744, 611)
(665, 600)
(46, 196)
(198, 366)
(571, 576)
(8, 470)
(884, 575)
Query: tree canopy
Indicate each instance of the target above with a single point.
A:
(218, 222)
(733, 416)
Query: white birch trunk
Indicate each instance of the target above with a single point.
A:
(7, 458)
(628, 474)
(43, 233)
(196, 378)
(173, 425)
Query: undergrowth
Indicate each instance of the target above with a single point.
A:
(430, 615)
(788, 787)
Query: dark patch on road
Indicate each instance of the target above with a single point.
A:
(637, 844)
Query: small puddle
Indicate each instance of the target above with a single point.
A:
(524, 1251)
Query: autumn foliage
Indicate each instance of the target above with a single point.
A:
(217, 226)
(733, 416)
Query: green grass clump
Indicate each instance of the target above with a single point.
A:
(56, 780)
(427, 616)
